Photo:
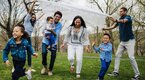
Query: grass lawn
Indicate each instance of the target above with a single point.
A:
(90, 69)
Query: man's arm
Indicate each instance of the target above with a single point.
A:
(31, 8)
(110, 28)
(121, 20)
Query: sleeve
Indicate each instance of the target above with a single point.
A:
(67, 35)
(117, 24)
(27, 18)
(6, 52)
(86, 37)
(128, 18)
(30, 49)
(58, 29)
(108, 49)
(96, 49)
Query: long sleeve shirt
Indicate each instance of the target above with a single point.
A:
(106, 53)
(18, 51)
(75, 38)
(27, 24)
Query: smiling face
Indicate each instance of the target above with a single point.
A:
(33, 17)
(57, 17)
(77, 22)
(106, 39)
(17, 33)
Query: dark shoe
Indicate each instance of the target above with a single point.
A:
(136, 77)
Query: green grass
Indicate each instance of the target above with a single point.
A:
(90, 69)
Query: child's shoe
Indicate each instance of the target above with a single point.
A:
(28, 75)
(13, 69)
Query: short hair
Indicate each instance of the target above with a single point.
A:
(58, 12)
(124, 9)
(48, 18)
(107, 35)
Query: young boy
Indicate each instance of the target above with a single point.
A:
(105, 51)
(49, 31)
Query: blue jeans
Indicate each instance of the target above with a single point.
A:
(53, 50)
(104, 68)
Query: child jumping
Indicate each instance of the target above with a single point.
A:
(18, 45)
(105, 51)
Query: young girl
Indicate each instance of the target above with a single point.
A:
(76, 38)
(18, 45)
(105, 50)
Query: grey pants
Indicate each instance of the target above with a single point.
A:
(129, 46)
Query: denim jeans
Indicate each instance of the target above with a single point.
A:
(104, 68)
(53, 50)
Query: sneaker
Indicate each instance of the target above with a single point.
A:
(44, 71)
(50, 73)
(72, 69)
(113, 74)
(28, 75)
(33, 70)
(13, 69)
(78, 76)
(136, 77)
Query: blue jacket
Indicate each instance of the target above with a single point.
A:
(18, 52)
(106, 54)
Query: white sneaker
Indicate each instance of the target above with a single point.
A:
(13, 69)
(43, 70)
(50, 73)
(33, 70)
(78, 76)
(28, 75)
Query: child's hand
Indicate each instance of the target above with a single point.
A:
(7, 63)
(87, 49)
(101, 49)
(35, 54)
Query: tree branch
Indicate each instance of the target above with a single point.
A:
(98, 6)
(115, 9)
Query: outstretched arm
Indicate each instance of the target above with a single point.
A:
(31, 8)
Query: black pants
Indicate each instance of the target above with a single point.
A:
(19, 71)
(28, 53)
(44, 55)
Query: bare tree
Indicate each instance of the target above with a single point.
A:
(12, 13)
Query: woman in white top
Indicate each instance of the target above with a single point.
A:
(76, 38)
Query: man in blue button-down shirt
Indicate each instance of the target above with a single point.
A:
(53, 48)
